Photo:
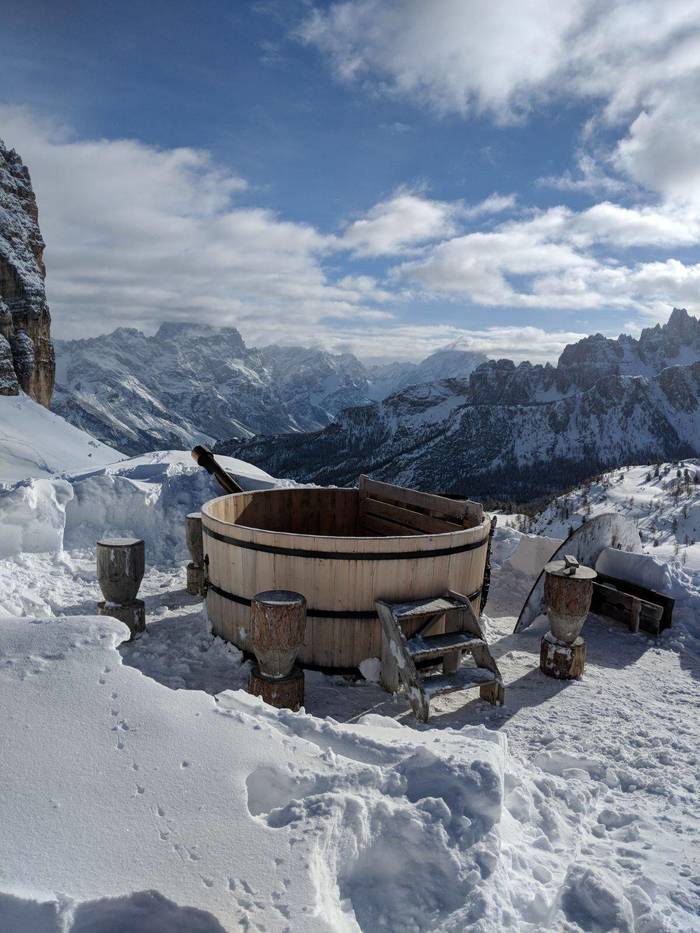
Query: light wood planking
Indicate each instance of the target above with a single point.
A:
(329, 582)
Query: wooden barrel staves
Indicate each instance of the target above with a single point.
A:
(343, 549)
(121, 563)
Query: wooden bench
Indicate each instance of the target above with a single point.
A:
(637, 606)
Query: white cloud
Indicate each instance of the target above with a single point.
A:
(137, 235)
(458, 55)
(548, 261)
(589, 176)
(493, 204)
(415, 342)
(661, 149)
(402, 221)
(636, 61)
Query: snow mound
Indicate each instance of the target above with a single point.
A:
(642, 569)
(33, 516)
(314, 825)
(147, 497)
(34, 442)
(520, 553)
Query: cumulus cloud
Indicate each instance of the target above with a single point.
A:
(409, 219)
(402, 221)
(552, 259)
(456, 55)
(137, 235)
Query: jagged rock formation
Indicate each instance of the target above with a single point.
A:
(26, 351)
(192, 384)
(512, 431)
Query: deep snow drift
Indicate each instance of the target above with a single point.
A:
(146, 497)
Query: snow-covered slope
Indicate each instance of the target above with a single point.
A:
(183, 804)
(663, 500)
(36, 442)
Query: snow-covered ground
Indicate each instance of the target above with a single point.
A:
(143, 789)
(36, 442)
(662, 500)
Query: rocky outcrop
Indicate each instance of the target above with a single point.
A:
(26, 351)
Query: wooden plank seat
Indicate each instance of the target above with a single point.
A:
(386, 509)
(403, 654)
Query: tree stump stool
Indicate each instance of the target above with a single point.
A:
(195, 545)
(557, 659)
(121, 563)
(282, 692)
(278, 627)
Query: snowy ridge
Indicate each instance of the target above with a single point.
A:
(502, 451)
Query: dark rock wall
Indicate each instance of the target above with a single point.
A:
(26, 352)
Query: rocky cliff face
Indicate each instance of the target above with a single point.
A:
(26, 351)
(515, 432)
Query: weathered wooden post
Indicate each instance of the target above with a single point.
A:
(195, 545)
(568, 589)
(278, 626)
(121, 563)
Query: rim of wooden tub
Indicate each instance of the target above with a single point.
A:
(477, 535)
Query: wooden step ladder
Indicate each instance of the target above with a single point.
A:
(407, 648)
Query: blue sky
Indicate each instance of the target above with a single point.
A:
(379, 176)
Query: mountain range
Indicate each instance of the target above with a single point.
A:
(514, 432)
(190, 384)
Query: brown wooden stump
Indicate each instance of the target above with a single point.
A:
(557, 659)
(120, 568)
(195, 545)
(282, 692)
(195, 580)
(278, 625)
(132, 614)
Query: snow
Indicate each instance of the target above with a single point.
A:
(144, 789)
(34, 442)
(145, 497)
(664, 506)
(642, 569)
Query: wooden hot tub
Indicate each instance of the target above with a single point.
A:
(343, 549)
